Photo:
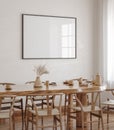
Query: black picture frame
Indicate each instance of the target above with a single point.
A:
(26, 38)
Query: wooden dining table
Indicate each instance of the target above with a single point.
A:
(25, 89)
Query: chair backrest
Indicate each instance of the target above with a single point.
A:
(56, 101)
(94, 100)
(4, 105)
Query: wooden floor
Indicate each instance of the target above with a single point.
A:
(110, 126)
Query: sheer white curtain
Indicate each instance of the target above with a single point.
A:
(108, 40)
(110, 43)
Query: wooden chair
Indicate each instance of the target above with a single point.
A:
(35, 113)
(18, 102)
(93, 108)
(108, 106)
(41, 100)
(8, 113)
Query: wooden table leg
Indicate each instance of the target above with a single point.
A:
(83, 98)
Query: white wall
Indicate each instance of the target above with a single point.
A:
(14, 69)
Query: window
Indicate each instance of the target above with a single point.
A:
(68, 42)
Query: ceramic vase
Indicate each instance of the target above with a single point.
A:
(98, 80)
(38, 82)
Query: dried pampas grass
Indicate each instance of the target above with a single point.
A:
(40, 70)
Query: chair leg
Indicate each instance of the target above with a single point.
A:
(68, 118)
(10, 124)
(102, 120)
(36, 123)
(13, 122)
(42, 122)
(61, 128)
(65, 106)
(25, 119)
(27, 123)
(108, 114)
(54, 122)
(90, 121)
(99, 119)
(22, 114)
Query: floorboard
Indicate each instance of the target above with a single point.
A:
(110, 126)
